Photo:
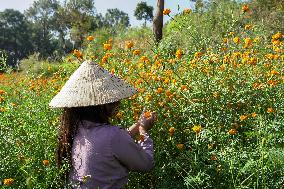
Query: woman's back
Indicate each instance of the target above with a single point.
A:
(102, 156)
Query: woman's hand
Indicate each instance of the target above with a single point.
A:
(146, 121)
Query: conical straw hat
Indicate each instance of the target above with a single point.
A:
(91, 85)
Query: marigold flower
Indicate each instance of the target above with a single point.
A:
(274, 72)
(245, 8)
(243, 117)
(179, 54)
(197, 129)
(225, 40)
(136, 52)
(159, 90)
(168, 93)
(197, 54)
(45, 162)
(186, 11)
(248, 27)
(166, 11)
(129, 44)
(119, 115)
(248, 42)
(183, 87)
(2, 92)
(77, 53)
(172, 131)
(143, 58)
(90, 38)
(270, 110)
(180, 146)
(253, 115)
(147, 114)
(213, 157)
(233, 131)
(107, 46)
(8, 181)
(277, 36)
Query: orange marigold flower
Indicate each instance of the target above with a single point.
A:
(110, 40)
(2, 92)
(245, 8)
(90, 38)
(107, 46)
(233, 131)
(243, 117)
(253, 115)
(197, 54)
(186, 11)
(180, 146)
(179, 54)
(274, 72)
(197, 129)
(277, 36)
(129, 44)
(45, 162)
(168, 93)
(248, 42)
(270, 110)
(147, 114)
(213, 158)
(8, 181)
(136, 52)
(119, 115)
(143, 58)
(166, 11)
(172, 131)
(159, 90)
(77, 53)
(183, 87)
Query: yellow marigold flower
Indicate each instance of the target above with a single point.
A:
(180, 146)
(179, 54)
(45, 162)
(149, 98)
(243, 117)
(253, 115)
(119, 115)
(166, 81)
(248, 42)
(248, 27)
(197, 129)
(270, 110)
(233, 131)
(159, 90)
(3, 109)
(166, 11)
(107, 46)
(172, 131)
(90, 38)
(136, 52)
(245, 8)
(8, 181)
(129, 44)
(225, 40)
(186, 11)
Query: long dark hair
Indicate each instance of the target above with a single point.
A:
(70, 120)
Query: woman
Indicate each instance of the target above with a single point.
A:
(100, 155)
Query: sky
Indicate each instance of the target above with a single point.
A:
(127, 6)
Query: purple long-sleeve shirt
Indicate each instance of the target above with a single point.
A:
(102, 156)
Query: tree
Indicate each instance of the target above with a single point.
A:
(41, 14)
(158, 21)
(79, 16)
(116, 17)
(15, 36)
(143, 11)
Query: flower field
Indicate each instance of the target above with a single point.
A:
(220, 110)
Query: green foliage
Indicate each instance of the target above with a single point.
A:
(116, 17)
(3, 61)
(143, 11)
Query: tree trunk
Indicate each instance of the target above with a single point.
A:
(158, 21)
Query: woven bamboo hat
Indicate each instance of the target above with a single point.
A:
(91, 85)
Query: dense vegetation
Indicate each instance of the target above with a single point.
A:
(216, 80)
